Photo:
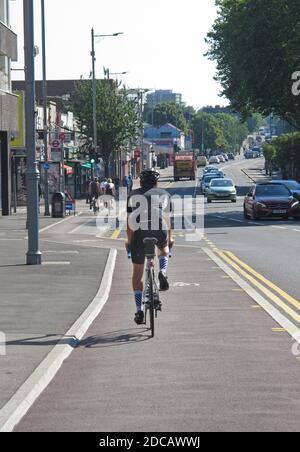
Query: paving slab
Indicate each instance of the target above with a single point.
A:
(39, 304)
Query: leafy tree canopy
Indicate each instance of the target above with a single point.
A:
(117, 116)
(257, 49)
(169, 112)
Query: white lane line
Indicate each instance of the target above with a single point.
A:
(56, 224)
(279, 227)
(296, 230)
(285, 323)
(14, 411)
(235, 219)
(80, 226)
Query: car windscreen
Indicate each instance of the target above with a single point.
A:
(221, 183)
(208, 179)
(272, 190)
(292, 185)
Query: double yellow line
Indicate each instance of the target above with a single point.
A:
(286, 302)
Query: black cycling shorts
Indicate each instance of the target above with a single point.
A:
(138, 247)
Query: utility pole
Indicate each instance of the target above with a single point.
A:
(34, 256)
(62, 165)
(93, 55)
(95, 136)
(46, 188)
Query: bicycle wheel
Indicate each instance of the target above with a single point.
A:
(151, 303)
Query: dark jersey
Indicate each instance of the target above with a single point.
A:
(149, 210)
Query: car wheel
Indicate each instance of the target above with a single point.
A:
(234, 201)
(209, 201)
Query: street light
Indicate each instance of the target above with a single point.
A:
(46, 189)
(93, 55)
(34, 256)
(107, 73)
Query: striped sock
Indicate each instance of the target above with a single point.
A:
(138, 299)
(163, 264)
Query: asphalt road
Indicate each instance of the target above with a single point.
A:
(222, 358)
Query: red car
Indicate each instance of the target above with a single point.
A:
(271, 200)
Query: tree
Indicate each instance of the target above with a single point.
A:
(207, 131)
(256, 46)
(284, 153)
(117, 116)
(218, 130)
(169, 112)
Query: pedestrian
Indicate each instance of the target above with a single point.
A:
(126, 183)
(130, 183)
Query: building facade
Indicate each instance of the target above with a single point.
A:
(162, 96)
(163, 140)
(8, 104)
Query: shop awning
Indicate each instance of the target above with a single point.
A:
(87, 165)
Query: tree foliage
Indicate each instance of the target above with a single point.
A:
(214, 130)
(169, 112)
(284, 153)
(257, 49)
(117, 116)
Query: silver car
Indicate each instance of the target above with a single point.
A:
(221, 189)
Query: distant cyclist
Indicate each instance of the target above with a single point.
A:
(94, 191)
(149, 215)
(110, 192)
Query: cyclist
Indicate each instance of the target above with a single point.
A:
(110, 190)
(94, 191)
(149, 215)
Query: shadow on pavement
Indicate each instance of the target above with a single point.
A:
(116, 338)
(52, 340)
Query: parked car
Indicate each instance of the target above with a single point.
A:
(256, 152)
(292, 185)
(214, 160)
(249, 154)
(226, 157)
(221, 189)
(231, 156)
(221, 158)
(207, 180)
(202, 161)
(271, 200)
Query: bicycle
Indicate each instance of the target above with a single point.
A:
(151, 300)
(94, 205)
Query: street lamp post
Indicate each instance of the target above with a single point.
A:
(34, 256)
(46, 190)
(93, 55)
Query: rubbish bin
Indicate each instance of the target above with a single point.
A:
(58, 205)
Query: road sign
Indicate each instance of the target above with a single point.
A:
(62, 136)
(56, 144)
(46, 166)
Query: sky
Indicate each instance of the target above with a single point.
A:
(162, 46)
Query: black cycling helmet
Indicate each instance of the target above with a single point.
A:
(149, 177)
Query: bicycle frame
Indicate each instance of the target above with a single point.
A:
(151, 292)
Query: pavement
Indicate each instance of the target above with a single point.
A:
(222, 358)
(39, 305)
